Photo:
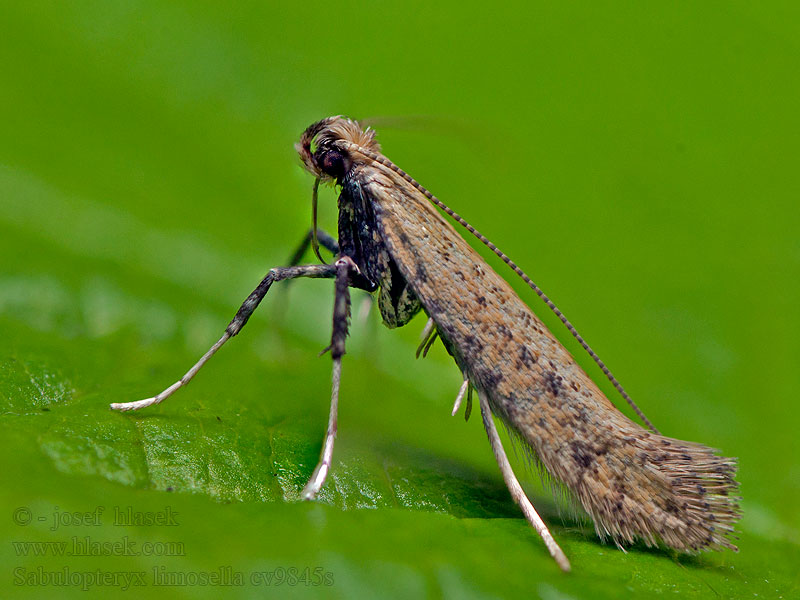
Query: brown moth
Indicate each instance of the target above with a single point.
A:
(634, 483)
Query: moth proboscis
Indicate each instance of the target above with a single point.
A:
(635, 483)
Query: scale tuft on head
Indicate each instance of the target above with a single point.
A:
(323, 138)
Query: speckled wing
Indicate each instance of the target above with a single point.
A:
(634, 483)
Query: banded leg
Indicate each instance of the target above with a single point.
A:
(234, 327)
(517, 493)
(345, 267)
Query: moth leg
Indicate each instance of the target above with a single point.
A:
(328, 242)
(428, 337)
(242, 315)
(515, 488)
(325, 239)
(341, 313)
(461, 392)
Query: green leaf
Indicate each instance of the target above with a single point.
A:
(637, 163)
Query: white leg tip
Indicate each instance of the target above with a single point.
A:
(126, 406)
(315, 483)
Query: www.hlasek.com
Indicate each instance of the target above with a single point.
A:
(87, 546)
(160, 576)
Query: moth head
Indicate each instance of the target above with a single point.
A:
(324, 147)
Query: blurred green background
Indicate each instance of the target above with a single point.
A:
(638, 160)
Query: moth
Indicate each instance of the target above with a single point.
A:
(635, 483)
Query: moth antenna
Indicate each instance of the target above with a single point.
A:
(314, 235)
(379, 158)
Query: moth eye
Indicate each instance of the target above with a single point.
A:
(332, 163)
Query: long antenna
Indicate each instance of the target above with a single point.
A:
(379, 158)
